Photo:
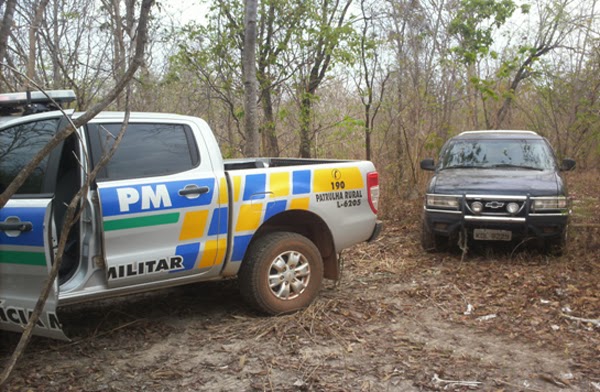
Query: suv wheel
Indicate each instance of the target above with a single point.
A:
(556, 246)
(430, 241)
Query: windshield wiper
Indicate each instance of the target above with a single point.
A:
(460, 167)
(516, 166)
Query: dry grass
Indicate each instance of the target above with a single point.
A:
(398, 319)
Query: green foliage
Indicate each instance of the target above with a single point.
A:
(239, 112)
(283, 114)
(474, 24)
(228, 152)
(71, 15)
(433, 142)
(349, 123)
(485, 87)
(347, 128)
(210, 55)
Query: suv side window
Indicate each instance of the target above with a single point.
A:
(18, 145)
(146, 150)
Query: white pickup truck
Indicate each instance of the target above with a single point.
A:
(168, 210)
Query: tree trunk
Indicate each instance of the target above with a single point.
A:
(269, 135)
(250, 82)
(471, 98)
(368, 132)
(33, 29)
(56, 74)
(332, 19)
(305, 134)
(117, 24)
(7, 22)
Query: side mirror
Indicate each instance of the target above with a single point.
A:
(428, 164)
(567, 164)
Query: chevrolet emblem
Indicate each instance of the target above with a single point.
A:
(494, 204)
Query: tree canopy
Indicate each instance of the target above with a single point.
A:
(334, 78)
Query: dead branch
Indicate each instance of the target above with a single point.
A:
(62, 134)
(518, 387)
(463, 244)
(71, 217)
(586, 225)
(438, 380)
(559, 382)
(596, 322)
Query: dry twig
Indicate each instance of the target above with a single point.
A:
(596, 322)
(436, 379)
(519, 387)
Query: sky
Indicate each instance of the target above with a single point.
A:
(186, 11)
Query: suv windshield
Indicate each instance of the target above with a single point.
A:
(505, 153)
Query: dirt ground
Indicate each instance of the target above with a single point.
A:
(498, 319)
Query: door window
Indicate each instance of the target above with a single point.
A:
(146, 150)
(18, 145)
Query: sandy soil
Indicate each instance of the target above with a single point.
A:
(497, 319)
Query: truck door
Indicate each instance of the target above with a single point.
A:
(159, 205)
(25, 242)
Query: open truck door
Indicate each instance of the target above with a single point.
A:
(27, 225)
(25, 262)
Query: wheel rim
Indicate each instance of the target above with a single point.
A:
(289, 275)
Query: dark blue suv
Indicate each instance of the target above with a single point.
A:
(496, 186)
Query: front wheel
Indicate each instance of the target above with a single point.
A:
(555, 246)
(281, 273)
(430, 242)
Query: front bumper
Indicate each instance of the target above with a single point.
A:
(450, 223)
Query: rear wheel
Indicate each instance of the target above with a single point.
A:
(281, 273)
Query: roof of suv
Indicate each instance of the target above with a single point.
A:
(499, 134)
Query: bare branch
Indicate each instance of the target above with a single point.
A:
(62, 134)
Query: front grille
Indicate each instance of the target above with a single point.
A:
(496, 205)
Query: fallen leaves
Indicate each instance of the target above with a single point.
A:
(372, 331)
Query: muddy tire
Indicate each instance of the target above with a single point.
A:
(281, 273)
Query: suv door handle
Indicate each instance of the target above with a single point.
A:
(16, 226)
(191, 190)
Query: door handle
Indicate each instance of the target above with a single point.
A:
(16, 226)
(191, 190)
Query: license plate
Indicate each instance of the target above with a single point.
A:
(492, 235)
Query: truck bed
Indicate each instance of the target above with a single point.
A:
(256, 163)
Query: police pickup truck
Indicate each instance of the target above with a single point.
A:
(168, 210)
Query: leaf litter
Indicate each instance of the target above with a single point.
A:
(400, 319)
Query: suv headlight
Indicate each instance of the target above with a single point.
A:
(443, 201)
(549, 203)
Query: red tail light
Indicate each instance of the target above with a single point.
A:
(373, 189)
